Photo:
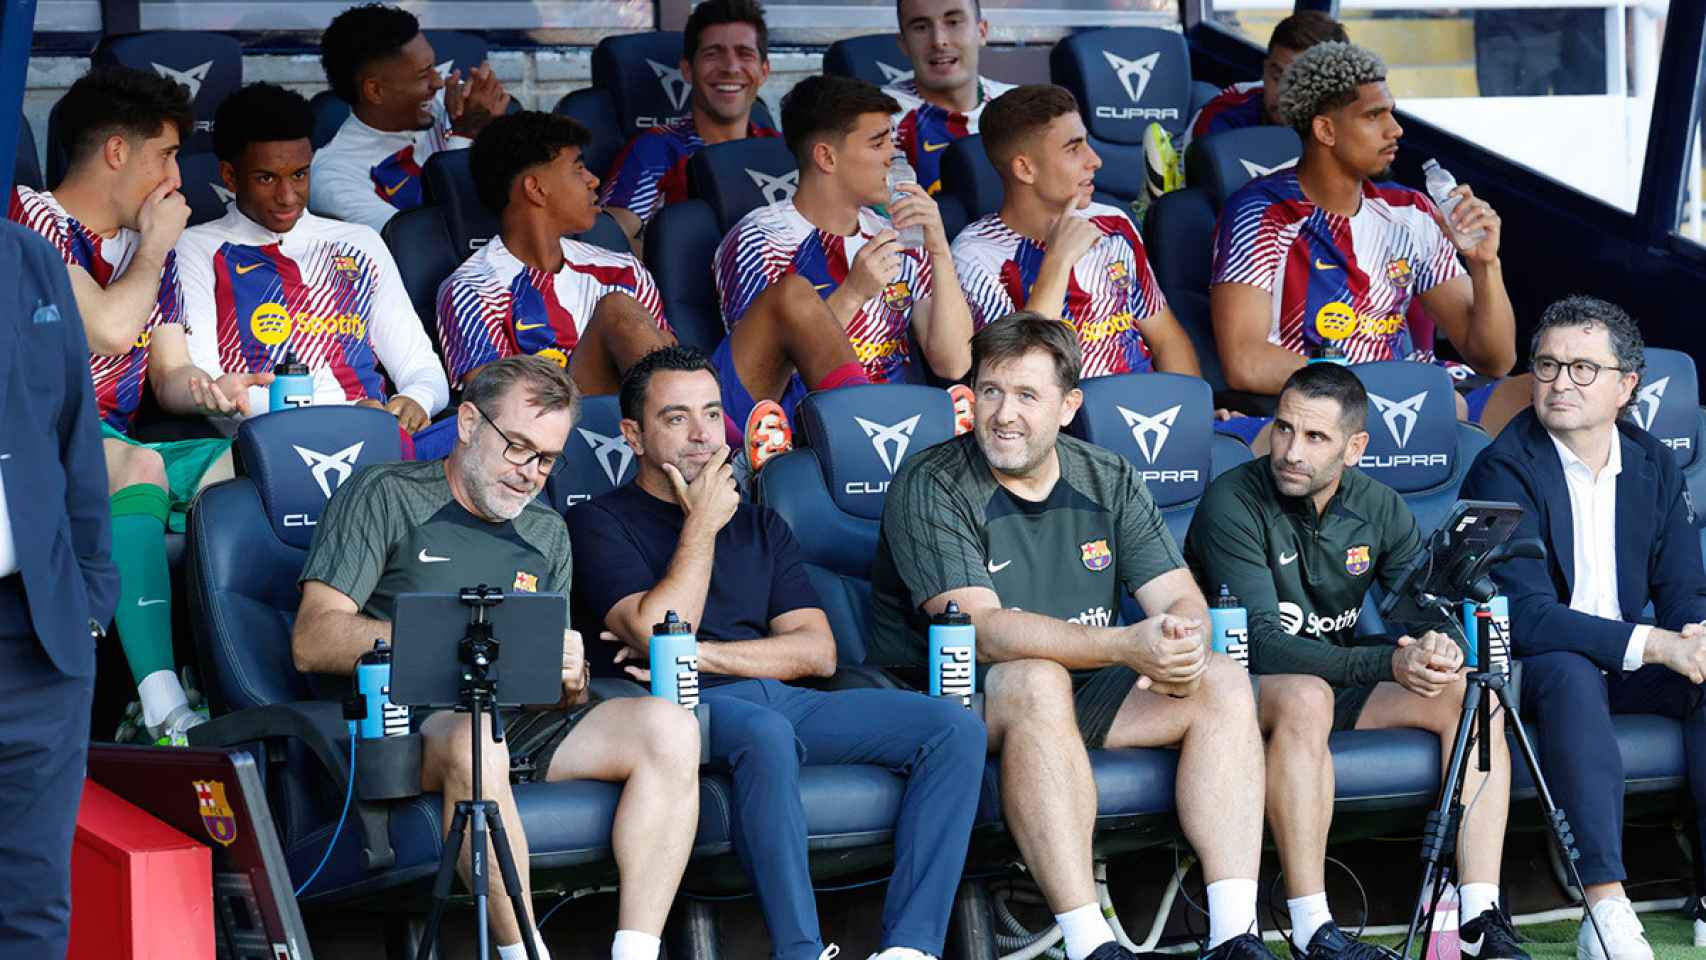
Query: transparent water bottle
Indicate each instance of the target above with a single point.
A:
(1440, 183)
(901, 172)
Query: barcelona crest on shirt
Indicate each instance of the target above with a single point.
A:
(216, 813)
(1118, 275)
(1398, 271)
(345, 264)
(1096, 555)
(1356, 560)
(526, 581)
(897, 296)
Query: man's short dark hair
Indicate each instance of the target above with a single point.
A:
(828, 106)
(135, 104)
(514, 143)
(712, 13)
(1331, 381)
(1304, 29)
(900, 11)
(260, 113)
(678, 358)
(1022, 331)
(1580, 310)
(1020, 113)
(548, 385)
(359, 36)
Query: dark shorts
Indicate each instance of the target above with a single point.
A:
(1347, 703)
(1096, 697)
(533, 736)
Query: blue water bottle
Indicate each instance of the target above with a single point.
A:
(1330, 352)
(1229, 623)
(1499, 643)
(675, 661)
(292, 385)
(380, 717)
(953, 655)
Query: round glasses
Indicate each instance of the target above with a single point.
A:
(1582, 372)
(521, 454)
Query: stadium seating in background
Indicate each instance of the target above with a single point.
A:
(597, 459)
(727, 181)
(454, 49)
(450, 186)
(642, 74)
(874, 58)
(1226, 161)
(1125, 78)
(594, 109)
(969, 178)
(1667, 405)
(420, 245)
(203, 189)
(26, 171)
(1416, 445)
(1201, 93)
(330, 112)
(210, 65)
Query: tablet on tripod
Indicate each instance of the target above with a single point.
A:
(427, 633)
(1453, 560)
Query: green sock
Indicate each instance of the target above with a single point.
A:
(144, 616)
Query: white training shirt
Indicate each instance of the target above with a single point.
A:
(368, 176)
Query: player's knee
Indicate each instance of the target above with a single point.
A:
(1301, 708)
(1228, 685)
(140, 465)
(669, 737)
(1028, 689)
(766, 741)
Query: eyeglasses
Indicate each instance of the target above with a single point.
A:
(1582, 372)
(521, 454)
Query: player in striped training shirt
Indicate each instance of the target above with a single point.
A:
(114, 219)
(944, 98)
(403, 110)
(532, 290)
(271, 280)
(1328, 251)
(816, 292)
(1052, 250)
(726, 56)
(1253, 103)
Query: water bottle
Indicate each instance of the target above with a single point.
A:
(1330, 352)
(292, 385)
(381, 718)
(1230, 624)
(953, 654)
(1498, 644)
(901, 172)
(675, 661)
(1440, 183)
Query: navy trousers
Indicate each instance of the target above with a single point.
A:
(763, 731)
(44, 742)
(1572, 704)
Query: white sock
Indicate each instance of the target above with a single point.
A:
(1474, 899)
(1308, 915)
(518, 950)
(160, 693)
(1231, 909)
(634, 945)
(1084, 929)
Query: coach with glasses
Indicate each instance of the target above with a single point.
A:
(1609, 502)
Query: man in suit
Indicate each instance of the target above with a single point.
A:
(58, 587)
(1609, 502)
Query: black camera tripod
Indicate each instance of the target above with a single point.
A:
(479, 654)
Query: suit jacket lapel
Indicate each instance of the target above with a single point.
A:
(1549, 472)
(1635, 527)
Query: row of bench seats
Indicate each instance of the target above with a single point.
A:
(248, 538)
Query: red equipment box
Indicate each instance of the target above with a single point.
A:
(140, 890)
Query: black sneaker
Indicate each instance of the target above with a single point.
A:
(1490, 936)
(1245, 946)
(1331, 943)
(1111, 951)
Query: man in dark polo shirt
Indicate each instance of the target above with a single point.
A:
(1300, 536)
(1035, 535)
(679, 538)
(436, 526)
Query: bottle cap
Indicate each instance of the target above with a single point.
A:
(952, 617)
(671, 624)
(1226, 600)
(290, 366)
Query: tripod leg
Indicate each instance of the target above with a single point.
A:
(1555, 822)
(441, 882)
(511, 878)
(1438, 832)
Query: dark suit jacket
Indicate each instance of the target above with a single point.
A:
(1658, 548)
(50, 453)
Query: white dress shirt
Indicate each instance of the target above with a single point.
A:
(8, 546)
(1593, 527)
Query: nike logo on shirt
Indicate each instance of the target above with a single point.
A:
(1323, 265)
(148, 603)
(933, 147)
(998, 567)
(245, 269)
(520, 327)
(391, 191)
(429, 558)
(1286, 560)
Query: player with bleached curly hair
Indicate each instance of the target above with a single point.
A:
(1329, 252)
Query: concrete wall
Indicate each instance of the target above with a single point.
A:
(539, 78)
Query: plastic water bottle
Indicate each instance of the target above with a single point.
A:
(373, 686)
(1440, 183)
(901, 172)
(292, 385)
(1498, 644)
(953, 655)
(1330, 352)
(675, 661)
(1230, 624)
